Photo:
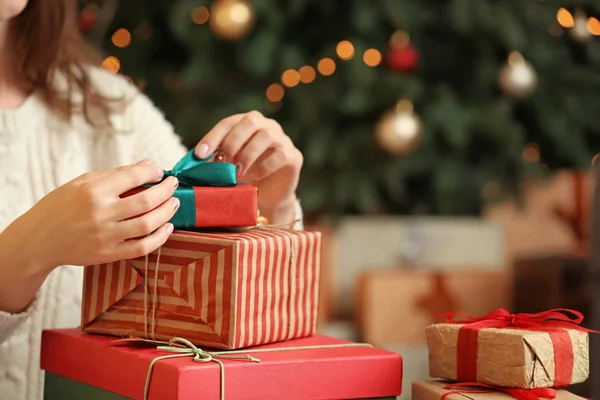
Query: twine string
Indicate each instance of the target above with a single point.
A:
(150, 323)
(184, 348)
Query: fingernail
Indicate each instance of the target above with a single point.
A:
(175, 202)
(160, 173)
(175, 181)
(170, 228)
(202, 151)
(145, 161)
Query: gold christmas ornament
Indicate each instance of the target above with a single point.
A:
(399, 131)
(232, 19)
(580, 31)
(517, 77)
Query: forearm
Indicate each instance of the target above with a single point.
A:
(21, 272)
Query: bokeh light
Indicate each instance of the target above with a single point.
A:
(565, 18)
(307, 74)
(372, 57)
(345, 50)
(121, 38)
(200, 15)
(326, 66)
(112, 64)
(275, 92)
(290, 78)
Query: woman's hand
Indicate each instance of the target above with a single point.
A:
(86, 222)
(264, 155)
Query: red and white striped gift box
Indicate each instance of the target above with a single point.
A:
(221, 290)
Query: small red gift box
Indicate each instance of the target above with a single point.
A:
(213, 207)
(326, 368)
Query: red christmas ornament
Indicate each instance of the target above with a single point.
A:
(87, 21)
(403, 59)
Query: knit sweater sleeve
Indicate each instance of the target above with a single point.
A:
(10, 322)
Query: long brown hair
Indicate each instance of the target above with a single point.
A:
(48, 44)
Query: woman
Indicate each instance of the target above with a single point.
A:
(60, 117)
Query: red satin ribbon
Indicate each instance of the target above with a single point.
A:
(519, 394)
(553, 321)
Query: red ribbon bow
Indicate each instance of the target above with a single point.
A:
(553, 321)
(519, 394)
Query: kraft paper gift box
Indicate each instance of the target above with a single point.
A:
(221, 290)
(431, 243)
(532, 227)
(209, 195)
(83, 366)
(396, 306)
(536, 357)
(434, 390)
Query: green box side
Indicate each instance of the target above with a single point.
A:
(58, 387)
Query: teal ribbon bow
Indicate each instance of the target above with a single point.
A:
(192, 171)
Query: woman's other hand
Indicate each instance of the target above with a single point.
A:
(264, 155)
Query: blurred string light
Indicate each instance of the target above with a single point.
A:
(566, 20)
(531, 153)
(326, 66)
(345, 51)
(112, 64)
(121, 38)
(200, 15)
(290, 78)
(372, 57)
(593, 26)
(307, 74)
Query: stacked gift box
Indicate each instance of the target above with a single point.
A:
(229, 312)
(503, 355)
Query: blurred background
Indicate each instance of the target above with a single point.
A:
(448, 144)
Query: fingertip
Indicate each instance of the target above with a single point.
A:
(202, 150)
(146, 161)
(169, 228)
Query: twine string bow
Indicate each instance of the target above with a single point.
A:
(184, 348)
(188, 349)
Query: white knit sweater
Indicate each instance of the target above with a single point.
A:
(38, 153)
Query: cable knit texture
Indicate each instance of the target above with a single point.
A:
(38, 153)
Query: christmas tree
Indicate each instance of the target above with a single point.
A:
(399, 106)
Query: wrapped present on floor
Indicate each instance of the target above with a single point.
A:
(395, 306)
(511, 350)
(222, 290)
(436, 390)
(365, 244)
(81, 366)
(210, 195)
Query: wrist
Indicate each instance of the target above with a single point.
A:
(20, 247)
(283, 213)
(22, 273)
